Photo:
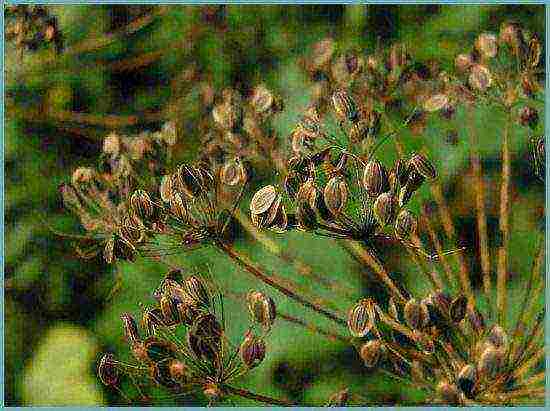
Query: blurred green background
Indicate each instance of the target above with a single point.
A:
(59, 312)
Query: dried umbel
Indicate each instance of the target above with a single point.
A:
(202, 361)
(452, 342)
(502, 66)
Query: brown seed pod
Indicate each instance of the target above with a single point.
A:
(197, 290)
(107, 370)
(157, 350)
(361, 318)
(166, 188)
(178, 208)
(152, 320)
(466, 380)
(490, 361)
(458, 308)
(375, 178)
(371, 352)
(280, 223)
(233, 173)
(338, 399)
(435, 102)
(310, 122)
(141, 205)
(188, 313)
(178, 371)
(263, 200)
(448, 393)
(463, 62)
(306, 217)
(535, 51)
(109, 251)
(169, 308)
(130, 328)
(416, 314)
(480, 78)
(424, 167)
(384, 208)
(261, 99)
(405, 224)
(186, 180)
(486, 45)
(262, 308)
(131, 229)
(344, 106)
(336, 194)
(252, 350)
(213, 392)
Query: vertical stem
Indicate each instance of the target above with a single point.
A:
(242, 261)
(257, 397)
(504, 225)
(480, 207)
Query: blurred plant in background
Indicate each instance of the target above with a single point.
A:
(206, 85)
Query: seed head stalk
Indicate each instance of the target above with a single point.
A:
(257, 397)
(504, 223)
(243, 262)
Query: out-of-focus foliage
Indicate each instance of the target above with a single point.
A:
(129, 69)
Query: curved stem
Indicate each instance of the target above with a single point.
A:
(504, 224)
(250, 268)
(257, 397)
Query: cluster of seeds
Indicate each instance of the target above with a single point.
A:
(238, 126)
(101, 197)
(335, 192)
(31, 27)
(441, 345)
(504, 68)
(186, 348)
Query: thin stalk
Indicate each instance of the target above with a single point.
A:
(258, 397)
(251, 269)
(481, 216)
(313, 328)
(286, 256)
(504, 225)
(365, 257)
(439, 248)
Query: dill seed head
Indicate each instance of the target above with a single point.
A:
(233, 173)
(420, 163)
(338, 399)
(107, 371)
(142, 206)
(405, 225)
(435, 102)
(361, 318)
(375, 178)
(480, 78)
(130, 328)
(458, 308)
(262, 308)
(371, 352)
(344, 106)
(416, 314)
(336, 194)
(384, 208)
(486, 45)
(466, 380)
(252, 350)
(463, 62)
